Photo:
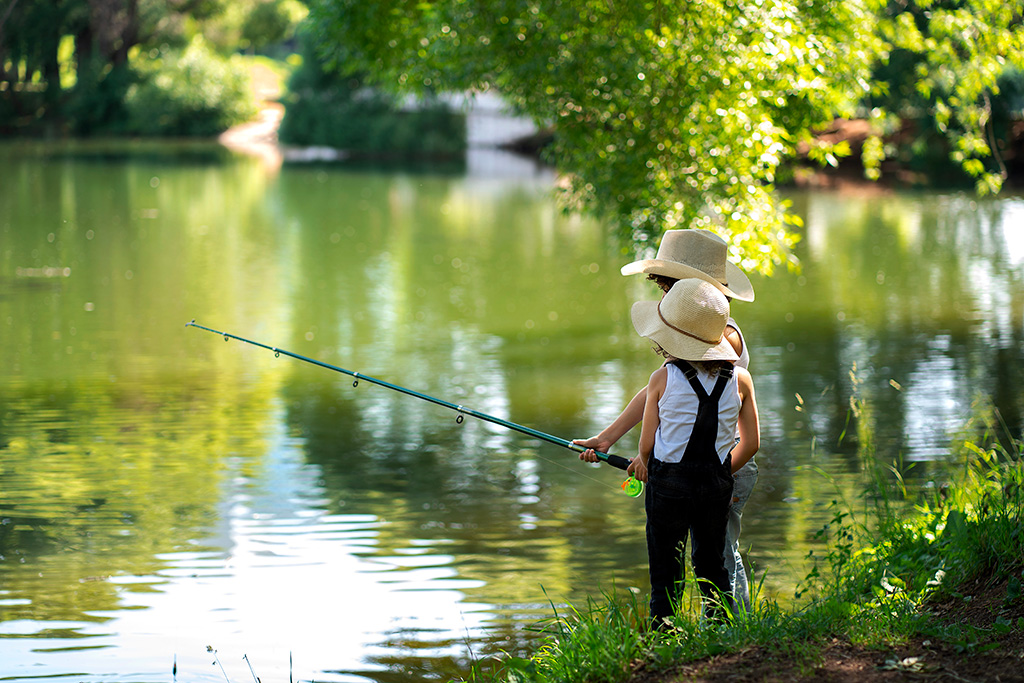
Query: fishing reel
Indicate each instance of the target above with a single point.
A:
(633, 487)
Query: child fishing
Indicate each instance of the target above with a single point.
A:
(696, 406)
(701, 254)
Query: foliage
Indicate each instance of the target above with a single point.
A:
(265, 27)
(324, 108)
(871, 587)
(193, 92)
(945, 69)
(675, 113)
(270, 22)
(96, 104)
(67, 66)
(596, 643)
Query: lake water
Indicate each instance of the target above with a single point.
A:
(163, 492)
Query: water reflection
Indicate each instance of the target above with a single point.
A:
(918, 293)
(163, 491)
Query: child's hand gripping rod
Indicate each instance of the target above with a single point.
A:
(631, 486)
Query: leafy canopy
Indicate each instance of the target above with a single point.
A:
(673, 113)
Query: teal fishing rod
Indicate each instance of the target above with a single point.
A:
(632, 486)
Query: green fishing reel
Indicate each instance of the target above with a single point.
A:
(633, 487)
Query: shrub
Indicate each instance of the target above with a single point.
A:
(96, 104)
(194, 92)
(325, 108)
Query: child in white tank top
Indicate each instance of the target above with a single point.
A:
(693, 412)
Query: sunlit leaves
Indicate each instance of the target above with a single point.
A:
(676, 113)
(962, 48)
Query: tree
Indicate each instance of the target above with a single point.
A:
(104, 33)
(271, 22)
(106, 36)
(947, 62)
(672, 113)
(30, 34)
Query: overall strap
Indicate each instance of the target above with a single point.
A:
(724, 375)
(690, 373)
(700, 448)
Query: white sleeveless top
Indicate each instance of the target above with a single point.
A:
(677, 413)
(744, 361)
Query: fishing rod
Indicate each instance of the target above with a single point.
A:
(632, 486)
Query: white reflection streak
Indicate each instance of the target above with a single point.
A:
(933, 409)
(1000, 292)
(1013, 231)
(529, 485)
(605, 394)
(993, 303)
(477, 379)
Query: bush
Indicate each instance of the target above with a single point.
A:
(370, 126)
(194, 92)
(324, 108)
(96, 105)
(271, 22)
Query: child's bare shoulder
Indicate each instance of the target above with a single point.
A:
(743, 378)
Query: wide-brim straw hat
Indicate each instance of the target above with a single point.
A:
(696, 253)
(688, 322)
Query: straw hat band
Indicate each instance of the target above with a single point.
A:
(688, 322)
(712, 342)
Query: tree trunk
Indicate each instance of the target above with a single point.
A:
(51, 75)
(84, 45)
(10, 78)
(114, 25)
(129, 32)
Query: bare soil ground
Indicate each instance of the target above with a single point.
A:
(920, 659)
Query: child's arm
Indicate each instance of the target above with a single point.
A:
(629, 418)
(655, 389)
(749, 426)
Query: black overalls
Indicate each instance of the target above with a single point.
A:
(690, 498)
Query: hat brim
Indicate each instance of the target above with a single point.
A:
(739, 286)
(648, 323)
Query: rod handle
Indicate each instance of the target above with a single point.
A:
(613, 460)
(617, 461)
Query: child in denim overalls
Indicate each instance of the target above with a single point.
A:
(696, 405)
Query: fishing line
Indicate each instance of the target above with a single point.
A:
(632, 486)
(587, 476)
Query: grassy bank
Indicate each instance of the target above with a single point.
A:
(930, 584)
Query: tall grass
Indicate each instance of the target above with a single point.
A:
(596, 642)
(872, 584)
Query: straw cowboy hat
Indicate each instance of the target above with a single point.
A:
(695, 253)
(688, 322)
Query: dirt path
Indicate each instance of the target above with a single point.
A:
(259, 136)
